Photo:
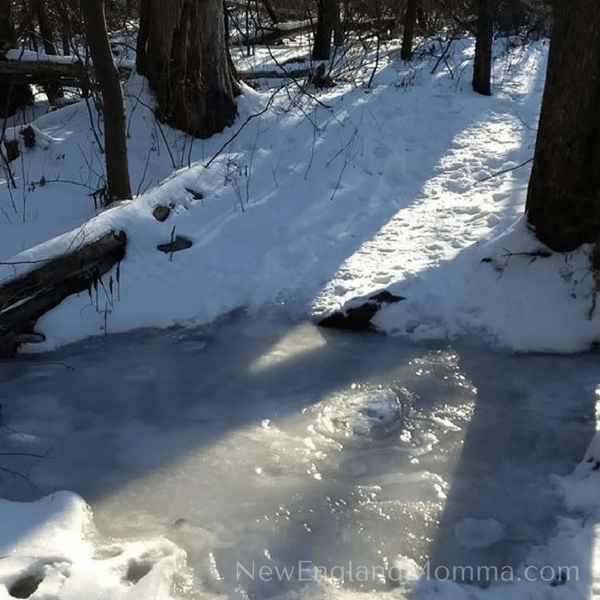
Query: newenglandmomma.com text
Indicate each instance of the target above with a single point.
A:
(305, 571)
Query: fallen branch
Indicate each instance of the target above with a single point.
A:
(273, 74)
(25, 299)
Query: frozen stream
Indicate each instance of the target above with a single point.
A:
(264, 443)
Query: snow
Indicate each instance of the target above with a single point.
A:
(54, 542)
(310, 201)
(16, 54)
(412, 183)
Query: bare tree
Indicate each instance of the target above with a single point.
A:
(52, 89)
(563, 199)
(482, 67)
(183, 51)
(117, 169)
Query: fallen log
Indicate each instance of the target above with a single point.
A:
(74, 74)
(27, 71)
(278, 32)
(25, 299)
(273, 74)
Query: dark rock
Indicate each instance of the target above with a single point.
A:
(28, 136)
(386, 296)
(26, 586)
(196, 195)
(355, 319)
(161, 212)
(136, 571)
(358, 318)
(179, 243)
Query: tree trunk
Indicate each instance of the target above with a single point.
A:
(482, 67)
(328, 17)
(117, 169)
(563, 199)
(12, 94)
(183, 51)
(53, 91)
(410, 19)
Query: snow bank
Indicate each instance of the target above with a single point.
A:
(51, 549)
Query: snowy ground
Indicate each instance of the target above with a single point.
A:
(318, 200)
(309, 201)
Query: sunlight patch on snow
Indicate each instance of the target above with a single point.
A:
(447, 215)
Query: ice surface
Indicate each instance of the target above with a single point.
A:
(360, 454)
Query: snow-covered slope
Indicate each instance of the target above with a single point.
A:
(412, 184)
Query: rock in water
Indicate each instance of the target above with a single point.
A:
(358, 318)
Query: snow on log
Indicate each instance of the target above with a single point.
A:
(25, 299)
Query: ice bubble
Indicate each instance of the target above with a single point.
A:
(359, 413)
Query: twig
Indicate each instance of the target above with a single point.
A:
(595, 275)
(295, 81)
(376, 62)
(443, 57)
(348, 148)
(312, 153)
(504, 171)
(523, 122)
(541, 253)
(87, 103)
(22, 454)
(23, 477)
(144, 172)
(89, 164)
(162, 133)
(7, 167)
(242, 126)
(46, 181)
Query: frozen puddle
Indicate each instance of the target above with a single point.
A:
(260, 458)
